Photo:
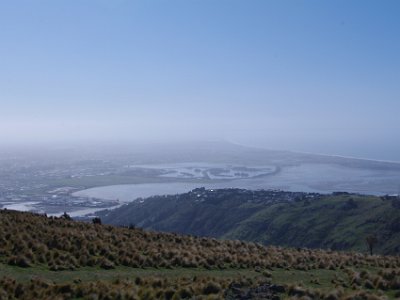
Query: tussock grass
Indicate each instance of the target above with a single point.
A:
(35, 241)
(138, 288)
(28, 239)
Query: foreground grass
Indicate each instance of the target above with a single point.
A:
(95, 273)
(57, 258)
(320, 280)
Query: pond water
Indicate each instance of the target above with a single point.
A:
(322, 178)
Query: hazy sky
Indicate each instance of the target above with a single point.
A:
(315, 76)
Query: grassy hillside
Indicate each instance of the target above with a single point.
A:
(56, 258)
(339, 221)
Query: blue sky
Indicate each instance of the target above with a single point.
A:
(314, 76)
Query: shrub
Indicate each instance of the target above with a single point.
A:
(96, 220)
(212, 288)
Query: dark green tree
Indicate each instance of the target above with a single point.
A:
(371, 241)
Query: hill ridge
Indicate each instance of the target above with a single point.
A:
(338, 221)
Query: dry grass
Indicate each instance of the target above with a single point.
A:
(31, 240)
(138, 288)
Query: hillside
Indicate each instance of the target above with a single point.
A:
(338, 221)
(58, 258)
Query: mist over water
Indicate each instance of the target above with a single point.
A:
(309, 77)
(90, 89)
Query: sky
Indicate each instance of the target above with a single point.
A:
(310, 76)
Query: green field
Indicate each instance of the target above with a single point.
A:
(323, 281)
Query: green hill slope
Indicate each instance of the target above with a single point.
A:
(57, 258)
(339, 221)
